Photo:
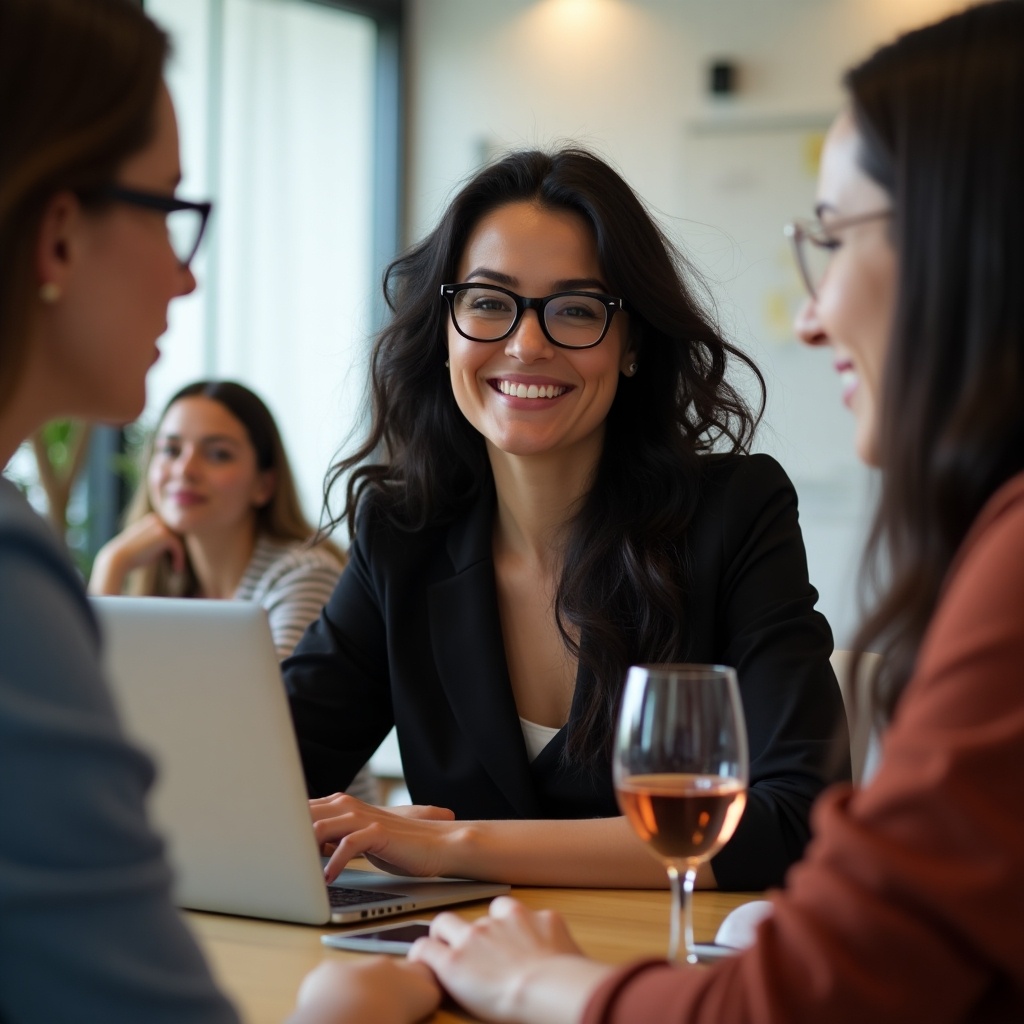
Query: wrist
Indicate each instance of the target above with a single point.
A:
(556, 990)
(107, 576)
(464, 850)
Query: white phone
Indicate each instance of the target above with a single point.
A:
(385, 938)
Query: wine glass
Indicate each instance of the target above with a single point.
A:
(680, 770)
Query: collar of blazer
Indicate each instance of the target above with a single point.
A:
(469, 653)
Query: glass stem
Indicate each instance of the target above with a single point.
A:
(680, 943)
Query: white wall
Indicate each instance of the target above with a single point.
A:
(628, 80)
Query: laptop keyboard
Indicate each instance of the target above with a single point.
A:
(340, 896)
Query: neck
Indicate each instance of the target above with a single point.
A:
(219, 559)
(537, 495)
(30, 406)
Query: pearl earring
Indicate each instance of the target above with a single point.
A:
(447, 365)
(49, 293)
(633, 367)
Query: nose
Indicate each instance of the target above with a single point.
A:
(807, 326)
(187, 462)
(187, 284)
(528, 342)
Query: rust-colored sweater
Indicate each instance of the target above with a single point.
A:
(909, 903)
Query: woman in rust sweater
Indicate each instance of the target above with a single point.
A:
(909, 904)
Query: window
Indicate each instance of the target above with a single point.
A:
(289, 120)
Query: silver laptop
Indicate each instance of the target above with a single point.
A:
(198, 687)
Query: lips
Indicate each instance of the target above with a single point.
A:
(186, 498)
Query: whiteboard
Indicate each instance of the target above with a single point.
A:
(739, 183)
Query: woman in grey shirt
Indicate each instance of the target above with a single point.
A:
(88, 168)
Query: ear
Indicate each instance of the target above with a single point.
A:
(57, 240)
(266, 484)
(628, 359)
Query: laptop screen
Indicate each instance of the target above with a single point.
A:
(198, 686)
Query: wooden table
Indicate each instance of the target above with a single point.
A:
(261, 963)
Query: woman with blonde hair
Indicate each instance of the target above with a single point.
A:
(217, 515)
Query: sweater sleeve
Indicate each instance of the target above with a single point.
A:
(292, 590)
(88, 931)
(909, 903)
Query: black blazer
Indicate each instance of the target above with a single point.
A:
(411, 637)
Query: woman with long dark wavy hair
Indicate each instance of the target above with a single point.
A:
(908, 905)
(556, 485)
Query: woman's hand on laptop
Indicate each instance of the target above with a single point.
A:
(423, 812)
(515, 851)
(331, 806)
(408, 840)
(374, 990)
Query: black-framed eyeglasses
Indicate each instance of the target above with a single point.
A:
(186, 220)
(485, 312)
(814, 244)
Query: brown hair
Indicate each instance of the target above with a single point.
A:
(79, 81)
(281, 517)
(939, 117)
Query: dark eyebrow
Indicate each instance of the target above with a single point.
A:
(574, 284)
(570, 284)
(493, 275)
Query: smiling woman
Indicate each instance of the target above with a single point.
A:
(539, 251)
(218, 493)
(908, 903)
(217, 516)
(555, 485)
(855, 288)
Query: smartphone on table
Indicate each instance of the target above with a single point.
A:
(384, 938)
